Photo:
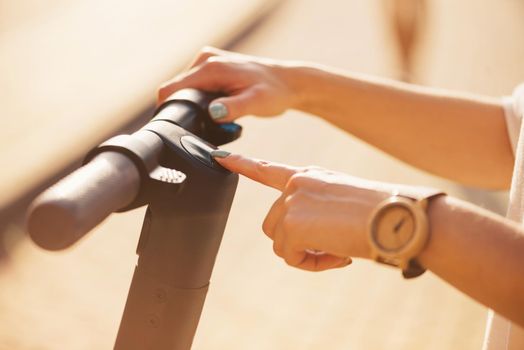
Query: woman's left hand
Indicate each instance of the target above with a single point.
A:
(319, 221)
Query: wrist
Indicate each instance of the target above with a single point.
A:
(303, 81)
(399, 229)
(324, 92)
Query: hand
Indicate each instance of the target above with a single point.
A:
(320, 219)
(254, 85)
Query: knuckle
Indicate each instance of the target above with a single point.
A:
(297, 181)
(261, 167)
(160, 94)
(277, 249)
(307, 178)
(163, 87)
(163, 91)
(172, 85)
(313, 168)
(260, 91)
(207, 50)
(290, 261)
(205, 53)
(294, 200)
(294, 181)
(267, 228)
(211, 50)
(211, 64)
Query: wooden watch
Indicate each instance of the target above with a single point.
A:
(398, 231)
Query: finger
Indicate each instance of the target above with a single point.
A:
(267, 173)
(192, 79)
(210, 51)
(278, 241)
(201, 59)
(295, 254)
(273, 217)
(204, 54)
(226, 109)
(212, 77)
(313, 261)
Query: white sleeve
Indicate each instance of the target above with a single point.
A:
(513, 111)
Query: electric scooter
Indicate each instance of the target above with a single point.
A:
(167, 166)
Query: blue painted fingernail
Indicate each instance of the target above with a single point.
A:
(218, 153)
(218, 111)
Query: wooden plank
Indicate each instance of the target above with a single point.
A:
(75, 72)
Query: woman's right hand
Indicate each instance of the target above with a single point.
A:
(252, 85)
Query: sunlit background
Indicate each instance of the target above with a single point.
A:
(73, 73)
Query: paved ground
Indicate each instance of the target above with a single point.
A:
(73, 300)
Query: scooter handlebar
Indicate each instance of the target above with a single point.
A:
(112, 180)
(65, 212)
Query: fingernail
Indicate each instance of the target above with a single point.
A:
(218, 153)
(218, 111)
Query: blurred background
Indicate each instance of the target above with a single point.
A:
(74, 73)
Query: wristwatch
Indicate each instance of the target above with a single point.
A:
(398, 231)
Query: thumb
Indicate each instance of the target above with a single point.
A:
(267, 173)
(228, 108)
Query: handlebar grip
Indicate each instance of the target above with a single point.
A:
(73, 206)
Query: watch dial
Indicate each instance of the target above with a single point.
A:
(394, 227)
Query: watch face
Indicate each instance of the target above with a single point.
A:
(394, 227)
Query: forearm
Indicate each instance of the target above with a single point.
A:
(459, 137)
(473, 249)
(479, 253)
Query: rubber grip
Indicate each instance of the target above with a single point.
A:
(68, 210)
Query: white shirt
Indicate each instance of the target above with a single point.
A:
(500, 333)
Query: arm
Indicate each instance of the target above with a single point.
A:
(457, 136)
(460, 137)
(478, 252)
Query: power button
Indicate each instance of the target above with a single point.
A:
(198, 149)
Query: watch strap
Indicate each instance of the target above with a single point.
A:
(421, 194)
(414, 268)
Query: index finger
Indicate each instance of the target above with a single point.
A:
(271, 174)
